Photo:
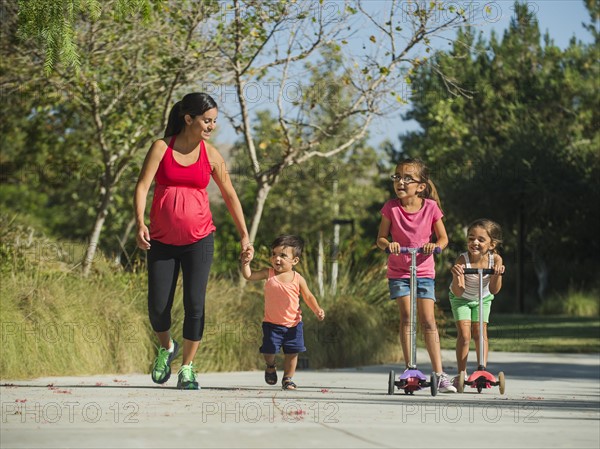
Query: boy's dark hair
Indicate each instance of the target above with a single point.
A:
(290, 241)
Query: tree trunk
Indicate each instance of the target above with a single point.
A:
(520, 258)
(336, 241)
(321, 256)
(96, 231)
(259, 205)
(541, 271)
(123, 241)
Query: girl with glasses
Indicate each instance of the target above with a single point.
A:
(410, 219)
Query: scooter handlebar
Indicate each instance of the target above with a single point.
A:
(476, 270)
(405, 250)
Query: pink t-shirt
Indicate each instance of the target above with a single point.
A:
(282, 301)
(412, 230)
(180, 213)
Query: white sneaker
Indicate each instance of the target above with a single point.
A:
(444, 384)
(455, 380)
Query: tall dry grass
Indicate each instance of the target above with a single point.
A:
(55, 322)
(59, 323)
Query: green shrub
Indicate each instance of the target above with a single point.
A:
(574, 303)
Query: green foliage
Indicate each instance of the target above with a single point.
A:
(573, 303)
(510, 133)
(75, 141)
(52, 22)
(516, 139)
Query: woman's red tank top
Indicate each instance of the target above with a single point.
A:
(180, 213)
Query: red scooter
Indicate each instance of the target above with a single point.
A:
(481, 378)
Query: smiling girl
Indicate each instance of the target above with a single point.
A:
(483, 239)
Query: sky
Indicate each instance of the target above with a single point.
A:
(561, 18)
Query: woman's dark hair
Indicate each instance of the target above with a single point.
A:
(194, 104)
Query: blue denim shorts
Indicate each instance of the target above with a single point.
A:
(276, 336)
(401, 287)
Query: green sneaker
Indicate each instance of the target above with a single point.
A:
(161, 370)
(187, 378)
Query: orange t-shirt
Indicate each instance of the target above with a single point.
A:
(282, 301)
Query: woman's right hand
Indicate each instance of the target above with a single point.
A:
(143, 237)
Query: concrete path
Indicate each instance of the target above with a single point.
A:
(550, 401)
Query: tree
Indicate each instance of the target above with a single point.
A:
(515, 140)
(312, 195)
(265, 46)
(53, 23)
(124, 87)
(256, 43)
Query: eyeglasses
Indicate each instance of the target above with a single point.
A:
(404, 179)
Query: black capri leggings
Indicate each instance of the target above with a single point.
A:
(164, 262)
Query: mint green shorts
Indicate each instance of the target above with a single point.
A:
(468, 309)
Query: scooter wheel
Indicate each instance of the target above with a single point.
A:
(433, 384)
(391, 382)
(479, 388)
(461, 382)
(501, 382)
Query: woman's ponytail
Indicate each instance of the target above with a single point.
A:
(175, 122)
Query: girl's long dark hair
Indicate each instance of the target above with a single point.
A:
(194, 104)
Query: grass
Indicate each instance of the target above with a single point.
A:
(55, 322)
(573, 303)
(539, 333)
(59, 323)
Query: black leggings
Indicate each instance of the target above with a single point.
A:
(163, 269)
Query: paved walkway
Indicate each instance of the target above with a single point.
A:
(550, 401)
